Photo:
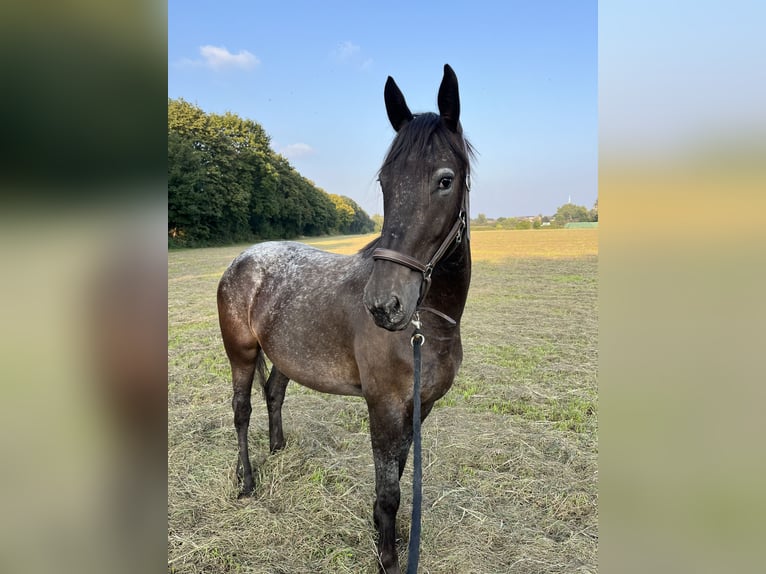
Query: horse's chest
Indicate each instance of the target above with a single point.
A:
(439, 367)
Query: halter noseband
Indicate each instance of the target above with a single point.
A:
(455, 234)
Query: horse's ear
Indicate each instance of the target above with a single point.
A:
(449, 99)
(396, 107)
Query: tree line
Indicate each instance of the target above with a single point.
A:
(226, 185)
(571, 213)
(567, 213)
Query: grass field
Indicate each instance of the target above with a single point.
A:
(510, 453)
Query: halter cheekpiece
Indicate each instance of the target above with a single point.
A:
(455, 235)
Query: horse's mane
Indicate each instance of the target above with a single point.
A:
(367, 250)
(416, 138)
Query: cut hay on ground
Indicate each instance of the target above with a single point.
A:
(510, 475)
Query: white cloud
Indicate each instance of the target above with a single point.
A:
(346, 51)
(297, 150)
(350, 54)
(218, 58)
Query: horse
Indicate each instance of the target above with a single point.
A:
(338, 323)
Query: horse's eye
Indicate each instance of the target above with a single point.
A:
(445, 183)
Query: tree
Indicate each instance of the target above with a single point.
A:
(593, 213)
(377, 220)
(189, 210)
(361, 222)
(522, 223)
(345, 212)
(568, 213)
(208, 186)
(226, 184)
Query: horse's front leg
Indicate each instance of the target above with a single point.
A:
(404, 451)
(388, 442)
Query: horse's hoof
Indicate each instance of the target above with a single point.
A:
(389, 566)
(247, 490)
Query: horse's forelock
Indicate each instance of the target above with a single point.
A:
(415, 138)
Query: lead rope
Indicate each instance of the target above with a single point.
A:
(413, 553)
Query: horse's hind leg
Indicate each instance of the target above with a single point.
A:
(275, 395)
(242, 379)
(240, 403)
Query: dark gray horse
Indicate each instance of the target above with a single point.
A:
(338, 324)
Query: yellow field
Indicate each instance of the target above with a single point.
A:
(496, 245)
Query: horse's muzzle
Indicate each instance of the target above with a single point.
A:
(388, 314)
(391, 295)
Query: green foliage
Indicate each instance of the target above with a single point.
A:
(377, 220)
(569, 213)
(226, 184)
(362, 223)
(593, 213)
(344, 210)
(352, 219)
(515, 223)
(522, 224)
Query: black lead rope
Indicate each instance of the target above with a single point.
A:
(413, 554)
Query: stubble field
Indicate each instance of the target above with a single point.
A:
(510, 453)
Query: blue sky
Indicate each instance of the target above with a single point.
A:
(312, 73)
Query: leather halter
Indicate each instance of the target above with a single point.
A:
(455, 235)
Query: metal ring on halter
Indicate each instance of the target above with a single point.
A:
(418, 336)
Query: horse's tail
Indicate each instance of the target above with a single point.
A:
(261, 370)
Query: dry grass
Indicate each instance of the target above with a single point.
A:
(510, 475)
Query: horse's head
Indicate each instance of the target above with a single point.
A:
(424, 181)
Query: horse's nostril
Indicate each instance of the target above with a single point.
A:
(394, 304)
(386, 310)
